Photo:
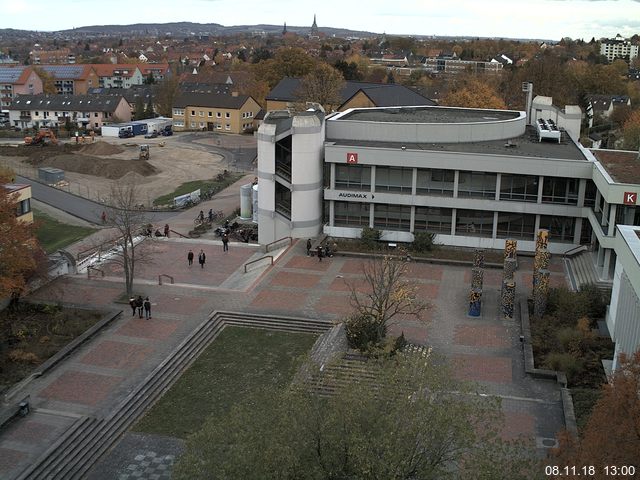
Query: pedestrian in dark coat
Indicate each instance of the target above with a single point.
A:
(132, 304)
(140, 305)
(190, 257)
(147, 308)
(202, 258)
(320, 253)
(225, 242)
(308, 247)
(166, 230)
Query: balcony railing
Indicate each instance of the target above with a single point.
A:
(284, 210)
(283, 170)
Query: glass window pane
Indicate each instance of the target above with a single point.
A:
(516, 225)
(474, 223)
(435, 182)
(433, 219)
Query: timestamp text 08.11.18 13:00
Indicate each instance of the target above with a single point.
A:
(623, 471)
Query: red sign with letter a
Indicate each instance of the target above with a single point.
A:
(630, 198)
(352, 158)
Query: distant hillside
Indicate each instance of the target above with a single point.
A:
(179, 30)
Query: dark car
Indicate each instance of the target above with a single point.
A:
(126, 134)
(166, 132)
(153, 134)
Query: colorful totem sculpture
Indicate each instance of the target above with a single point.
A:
(541, 293)
(475, 302)
(478, 258)
(477, 277)
(508, 297)
(508, 292)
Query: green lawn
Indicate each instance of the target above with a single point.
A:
(238, 361)
(54, 235)
(189, 187)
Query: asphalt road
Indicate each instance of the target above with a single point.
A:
(80, 207)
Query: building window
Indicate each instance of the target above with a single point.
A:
(520, 188)
(561, 229)
(193, 113)
(23, 207)
(435, 182)
(394, 179)
(353, 177)
(227, 127)
(218, 115)
(210, 114)
(178, 123)
(227, 115)
(201, 125)
(178, 112)
(516, 225)
(590, 194)
(392, 217)
(474, 223)
(560, 190)
(193, 124)
(351, 214)
(433, 220)
(95, 114)
(283, 200)
(201, 113)
(477, 185)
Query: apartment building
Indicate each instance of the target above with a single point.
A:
(618, 47)
(17, 80)
(214, 112)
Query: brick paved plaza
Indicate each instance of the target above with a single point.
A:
(93, 379)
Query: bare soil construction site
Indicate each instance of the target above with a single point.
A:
(92, 169)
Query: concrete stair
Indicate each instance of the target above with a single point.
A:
(73, 455)
(583, 272)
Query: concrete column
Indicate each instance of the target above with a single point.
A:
(536, 226)
(332, 180)
(596, 207)
(577, 231)
(371, 212)
(453, 220)
(373, 179)
(498, 183)
(494, 232)
(456, 178)
(414, 184)
(612, 219)
(332, 212)
(540, 185)
(582, 189)
(604, 273)
(412, 222)
(605, 214)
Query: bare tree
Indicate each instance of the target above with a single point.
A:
(130, 223)
(322, 85)
(386, 294)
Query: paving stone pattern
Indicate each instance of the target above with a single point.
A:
(104, 370)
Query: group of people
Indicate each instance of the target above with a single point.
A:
(148, 231)
(139, 305)
(202, 258)
(322, 251)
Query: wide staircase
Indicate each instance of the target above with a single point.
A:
(582, 272)
(80, 447)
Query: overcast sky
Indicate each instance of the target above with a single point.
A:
(546, 19)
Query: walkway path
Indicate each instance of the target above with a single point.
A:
(95, 378)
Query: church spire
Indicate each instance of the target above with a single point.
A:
(284, 30)
(314, 27)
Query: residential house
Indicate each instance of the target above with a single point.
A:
(61, 55)
(214, 112)
(445, 63)
(23, 199)
(618, 47)
(602, 106)
(18, 80)
(159, 71)
(84, 111)
(131, 95)
(118, 75)
(353, 95)
(72, 79)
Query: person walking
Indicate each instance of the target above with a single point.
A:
(147, 308)
(103, 217)
(190, 257)
(140, 305)
(211, 215)
(225, 242)
(320, 253)
(166, 230)
(308, 247)
(132, 304)
(202, 258)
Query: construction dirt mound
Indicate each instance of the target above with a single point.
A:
(101, 149)
(110, 168)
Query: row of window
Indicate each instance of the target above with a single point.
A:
(521, 188)
(180, 113)
(217, 126)
(475, 223)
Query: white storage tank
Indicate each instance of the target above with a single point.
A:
(246, 199)
(254, 202)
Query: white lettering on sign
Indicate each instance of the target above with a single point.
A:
(352, 158)
(630, 198)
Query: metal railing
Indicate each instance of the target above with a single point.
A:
(257, 260)
(89, 268)
(266, 247)
(179, 234)
(165, 275)
(574, 250)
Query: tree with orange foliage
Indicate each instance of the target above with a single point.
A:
(473, 93)
(17, 244)
(612, 434)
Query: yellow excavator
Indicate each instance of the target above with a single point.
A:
(45, 136)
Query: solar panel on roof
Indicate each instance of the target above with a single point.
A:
(10, 75)
(65, 71)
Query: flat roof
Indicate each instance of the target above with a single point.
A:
(526, 145)
(425, 114)
(623, 166)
